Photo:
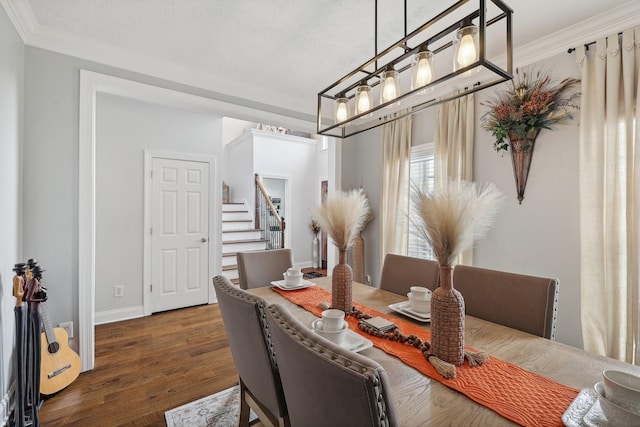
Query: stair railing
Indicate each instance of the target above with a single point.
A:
(267, 218)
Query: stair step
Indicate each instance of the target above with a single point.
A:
(236, 211)
(232, 242)
(235, 281)
(242, 230)
(237, 220)
(230, 267)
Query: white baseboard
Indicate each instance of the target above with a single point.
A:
(110, 316)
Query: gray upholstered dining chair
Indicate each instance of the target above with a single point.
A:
(326, 385)
(527, 303)
(400, 272)
(243, 315)
(260, 268)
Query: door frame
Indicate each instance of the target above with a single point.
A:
(149, 155)
(288, 208)
(91, 83)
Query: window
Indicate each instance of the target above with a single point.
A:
(421, 171)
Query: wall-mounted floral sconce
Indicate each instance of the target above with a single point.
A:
(517, 115)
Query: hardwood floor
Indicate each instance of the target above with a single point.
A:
(144, 367)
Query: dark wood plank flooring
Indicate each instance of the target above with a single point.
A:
(144, 367)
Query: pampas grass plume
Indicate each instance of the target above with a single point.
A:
(343, 215)
(451, 219)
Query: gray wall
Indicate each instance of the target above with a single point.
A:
(11, 119)
(124, 129)
(539, 237)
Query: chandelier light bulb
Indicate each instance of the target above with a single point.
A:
(363, 102)
(467, 53)
(424, 72)
(466, 42)
(390, 87)
(363, 99)
(342, 109)
(421, 69)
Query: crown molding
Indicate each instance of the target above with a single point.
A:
(21, 16)
(221, 87)
(613, 21)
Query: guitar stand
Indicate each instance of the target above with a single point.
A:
(26, 287)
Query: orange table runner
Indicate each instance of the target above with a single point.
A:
(521, 396)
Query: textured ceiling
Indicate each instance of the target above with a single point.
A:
(279, 53)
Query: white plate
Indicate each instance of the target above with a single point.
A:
(352, 340)
(280, 284)
(405, 308)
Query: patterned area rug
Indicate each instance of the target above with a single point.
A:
(219, 410)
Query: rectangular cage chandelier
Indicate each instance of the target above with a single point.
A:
(444, 59)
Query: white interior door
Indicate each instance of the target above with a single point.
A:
(179, 233)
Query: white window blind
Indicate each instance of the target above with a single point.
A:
(421, 172)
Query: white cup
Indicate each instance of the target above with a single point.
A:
(332, 320)
(293, 271)
(419, 305)
(292, 279)
(420, 292)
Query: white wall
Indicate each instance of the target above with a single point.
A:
(292, 158)
(124, 129)
(287, 157)
(539, 237)
(11, 120)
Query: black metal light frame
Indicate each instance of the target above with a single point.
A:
(344, 87)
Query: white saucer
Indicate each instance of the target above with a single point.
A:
(280, 284)
(405, 308)
(352, 340)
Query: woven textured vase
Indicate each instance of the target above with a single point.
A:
(341, 284)
(521, 154)
(447, 320)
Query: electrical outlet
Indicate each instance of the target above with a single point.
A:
(118, 291)
(67, 326)
(367, 279)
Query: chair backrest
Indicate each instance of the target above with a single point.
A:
(260, 268)
(400, 272)
(244, 320)
(527, 303)
(326, 385)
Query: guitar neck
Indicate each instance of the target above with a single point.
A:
(46, 322)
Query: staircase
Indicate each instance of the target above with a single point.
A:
(238, 234)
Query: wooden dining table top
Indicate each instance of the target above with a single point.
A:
(423, 401)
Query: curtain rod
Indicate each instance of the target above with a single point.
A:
(586, 45)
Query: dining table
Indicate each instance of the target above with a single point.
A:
(424, 401)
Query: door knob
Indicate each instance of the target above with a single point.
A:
(203, 240)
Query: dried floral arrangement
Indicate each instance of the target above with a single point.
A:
(452, 218)
(342, 215)
(529, 103)
(314, 227)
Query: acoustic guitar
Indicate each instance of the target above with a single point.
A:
(59, 364)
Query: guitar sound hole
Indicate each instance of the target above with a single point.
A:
(53, 347)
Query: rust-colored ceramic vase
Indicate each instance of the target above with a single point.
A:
(447, 320)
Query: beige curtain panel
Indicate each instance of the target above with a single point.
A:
(396, 146)
(609, 196)
(454, 140)
(453, 146)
